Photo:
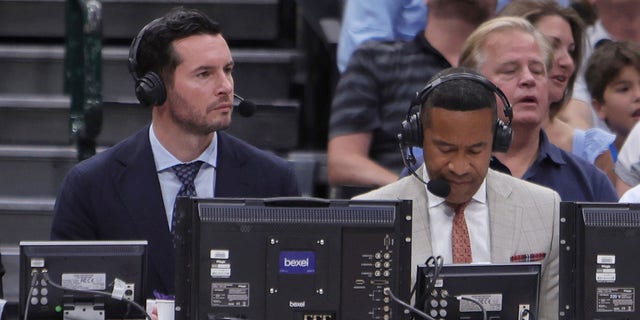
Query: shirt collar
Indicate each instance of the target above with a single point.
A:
(434, 201)
(165, 160)
(549, 150)
(426, 47)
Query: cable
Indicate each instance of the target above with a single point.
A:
(436, 263)
(526, 312)
(484, 311)
(34, 280)
(409, 157)
(388, 292)
(45, 276)
(420, 300)
(437, 267)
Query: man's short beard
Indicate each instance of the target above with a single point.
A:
(189, 122)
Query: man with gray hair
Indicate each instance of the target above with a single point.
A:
(511, 53)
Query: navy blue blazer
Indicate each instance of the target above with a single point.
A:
(115, 195)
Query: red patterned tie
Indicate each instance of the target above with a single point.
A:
(461, 244)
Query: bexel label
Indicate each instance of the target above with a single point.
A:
(297, 262)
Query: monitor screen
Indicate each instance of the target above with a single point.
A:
(112, 267)
(292, 258)
(599, 263)
(503, 290)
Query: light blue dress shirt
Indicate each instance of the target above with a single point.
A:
(170, 184)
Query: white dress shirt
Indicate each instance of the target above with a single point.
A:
(631, 196)
(170, 184)
(441, 224)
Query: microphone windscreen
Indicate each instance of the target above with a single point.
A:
(246, 108)
(439, 187)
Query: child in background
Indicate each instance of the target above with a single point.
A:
(613, 80)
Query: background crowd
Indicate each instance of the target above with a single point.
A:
(593, 87)
(546, 110)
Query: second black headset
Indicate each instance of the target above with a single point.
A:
(149, 88)
(411, 134)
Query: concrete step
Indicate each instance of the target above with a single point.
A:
(34, 171)
(38, 69)
(24, 218)
(34, 119)
(44, 120)
(123, 19)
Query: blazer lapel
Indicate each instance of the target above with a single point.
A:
(506, 218)
(139, 189)
(421, 232)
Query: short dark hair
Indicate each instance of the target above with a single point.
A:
(463, 94)
(156, 52)
(605, 64)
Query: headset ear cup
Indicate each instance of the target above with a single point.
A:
(412, 131)
(416, 128)
(502, 137)
(150, 90)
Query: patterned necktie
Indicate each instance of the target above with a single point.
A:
(186, 173)
(461, 244)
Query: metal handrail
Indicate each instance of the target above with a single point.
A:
(83, 72)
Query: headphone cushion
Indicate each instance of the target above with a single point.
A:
(502, 137)
(412, 131)
(150, 90)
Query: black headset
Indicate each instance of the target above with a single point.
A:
(149, 88)
(411, 131)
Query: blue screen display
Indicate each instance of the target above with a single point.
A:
(297, 262)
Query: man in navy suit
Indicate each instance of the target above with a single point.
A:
(183, 68)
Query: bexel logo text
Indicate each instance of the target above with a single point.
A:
(297, 304)
(297, 262)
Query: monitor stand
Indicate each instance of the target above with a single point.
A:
(83, 310)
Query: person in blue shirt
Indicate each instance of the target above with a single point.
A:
(365, 20)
